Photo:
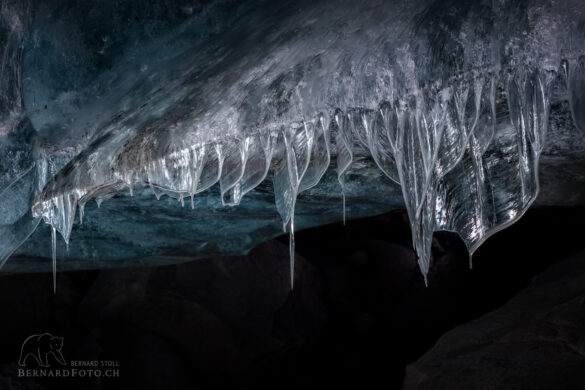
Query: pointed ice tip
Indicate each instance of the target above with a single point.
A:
(292, 257)
(470, 260)
(425, 277)
(343, 196)
(54, 257)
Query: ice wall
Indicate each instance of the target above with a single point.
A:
(450, 98)
(23, 172)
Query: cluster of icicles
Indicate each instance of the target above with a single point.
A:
(415, 140)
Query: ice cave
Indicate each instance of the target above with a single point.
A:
(138, 135)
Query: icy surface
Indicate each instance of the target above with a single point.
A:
(453, 101)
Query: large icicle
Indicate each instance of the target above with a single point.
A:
(300, 166)
(289, 171)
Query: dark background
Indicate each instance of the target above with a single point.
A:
(358, 315)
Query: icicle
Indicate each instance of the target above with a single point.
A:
(81, 208)
(54, 255)
(344, 152)
(233, 169)
(192, 201)
(291, 242)
(343, 201)
(577, 92)
(476, 152)
(299, 166)
(380, 143)
(208, 167)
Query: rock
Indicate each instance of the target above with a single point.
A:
(535, 341)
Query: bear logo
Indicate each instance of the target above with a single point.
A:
(40, 346)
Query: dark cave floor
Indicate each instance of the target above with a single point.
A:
(358, 316)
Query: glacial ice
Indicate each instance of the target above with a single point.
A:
(450, 99)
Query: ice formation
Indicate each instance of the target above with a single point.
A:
(450, 99)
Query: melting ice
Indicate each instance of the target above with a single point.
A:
(451, 100)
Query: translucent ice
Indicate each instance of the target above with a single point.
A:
(450, 99)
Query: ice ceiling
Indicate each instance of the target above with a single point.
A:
(445, 107)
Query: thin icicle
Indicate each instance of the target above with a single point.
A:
(81, 208)
(54, 255)
(291, 242)
(344, 152)
(343, 200)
